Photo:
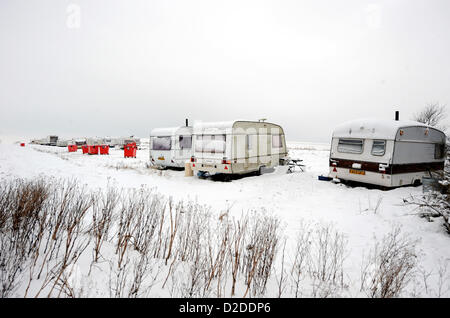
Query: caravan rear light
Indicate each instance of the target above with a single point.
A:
(382, 168)
(333, 162)
(193, 159)
(226, 162)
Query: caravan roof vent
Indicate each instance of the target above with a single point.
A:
(262, 120)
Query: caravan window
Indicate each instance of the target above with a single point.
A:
(210, 143)
(162, 143)
(185, 142)
(277, 141)
(379, 147)
(350, 145)
(439, 151)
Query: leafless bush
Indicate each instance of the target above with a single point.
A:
(103, 208)
(192, 247)
(127, 221)
(327, 255)
(432, 205)
(236, 248)
(68, 206)
(42, 229)
(433, 114)
(21, 203)
(261, 248)
(302, 255)
(443, 285)
(389, 266)
(282, 278)
(217, 254)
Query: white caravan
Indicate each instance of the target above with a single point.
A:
(47, 141)
(237, 147)
(171, 147)
(119, 142)
(388, 153)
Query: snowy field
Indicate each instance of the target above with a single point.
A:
(363, 215)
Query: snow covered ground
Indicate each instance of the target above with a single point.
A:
(363, 215)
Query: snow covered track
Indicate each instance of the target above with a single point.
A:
(357, 218)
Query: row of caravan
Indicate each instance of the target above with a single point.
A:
(234, 147)
(54, 140)
(388, 153)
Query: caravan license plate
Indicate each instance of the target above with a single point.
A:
(160, 158)
(361, 172)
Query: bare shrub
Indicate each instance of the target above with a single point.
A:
(390, 266)
(432, 114)
(282, 278)
(103, 208)
(68, 205)
(261, 248)
(327, 255)
(21, 203)
(217, 254)
(443, 284)
(302, 255)
(194, 236)
(41, 226)
(236, 248)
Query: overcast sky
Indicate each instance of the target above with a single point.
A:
(117, 67)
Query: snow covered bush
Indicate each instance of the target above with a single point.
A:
(390, 266)
(435, 204)
(61, 239)
(21, 228)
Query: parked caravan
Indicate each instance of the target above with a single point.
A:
(122, 141)
(92, 141)
(171, 147)
(237, 147)
(52, 140)
(47, 141)
(388, 153)
(80, 141)
(64, 142)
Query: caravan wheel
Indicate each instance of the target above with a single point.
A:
(260, 171)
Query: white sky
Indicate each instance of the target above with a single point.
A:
(104, 67)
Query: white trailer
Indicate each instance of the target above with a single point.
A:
(122, 141)
(237, 147)
(387, 153)
(63, 142)
(50, 140)
(170, 147)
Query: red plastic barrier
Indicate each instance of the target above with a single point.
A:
(72, 148)
(85, 149)
(93, 150)
(104, 149)
(129, 150)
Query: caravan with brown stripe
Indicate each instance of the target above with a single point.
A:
(388, 153)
